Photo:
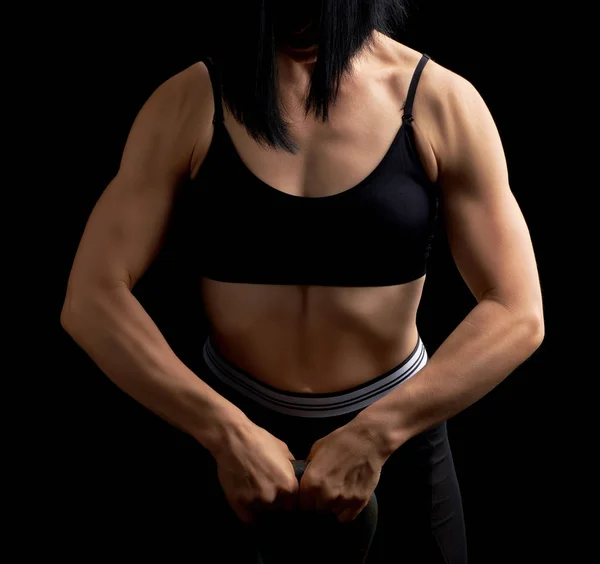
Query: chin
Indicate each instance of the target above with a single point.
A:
(305, 55)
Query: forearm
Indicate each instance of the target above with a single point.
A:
(481, 352)
(121, 338)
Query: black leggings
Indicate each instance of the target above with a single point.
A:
(420, 510)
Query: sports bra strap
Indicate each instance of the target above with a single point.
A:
(216, 88)
(408, 106)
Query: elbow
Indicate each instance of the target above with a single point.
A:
(535, 332)
(68, 315)
(76, 310)
(526, 321)
(84, 306)
(64, 319)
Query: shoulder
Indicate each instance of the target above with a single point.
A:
(456, 135)
(446, 98)
(448, 110)
(182, 98)
(449, 113)
(176, 117)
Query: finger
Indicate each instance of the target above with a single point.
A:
(285, 501)
(288, 453)
(347, 515)
(307, 499)
(324, 504)
(258, 509)
(246, 516)
(275, 505)
(349, 512)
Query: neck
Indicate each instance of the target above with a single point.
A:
(298, 43)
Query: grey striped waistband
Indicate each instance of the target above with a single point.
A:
(312, 405)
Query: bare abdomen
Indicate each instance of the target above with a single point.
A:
(313, 339)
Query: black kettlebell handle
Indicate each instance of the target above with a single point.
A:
(300, 468)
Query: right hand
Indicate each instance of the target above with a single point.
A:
(256, 473)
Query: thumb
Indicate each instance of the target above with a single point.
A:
(286, 450)
(244, 515)
(313, 451)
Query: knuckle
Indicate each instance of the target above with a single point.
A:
(244, 500)
(313, 484)
(250, 498)
(290, 487)
(354, 499)
(328, 494)
(266, 497)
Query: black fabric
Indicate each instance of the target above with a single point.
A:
(412, 89)
(336, 542)
(184, 516)
(377, 233)
(420, 515)
(166, 504)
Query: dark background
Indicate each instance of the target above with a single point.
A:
(105, 449)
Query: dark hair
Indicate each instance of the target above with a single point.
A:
(245, 56)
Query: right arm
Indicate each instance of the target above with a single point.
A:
(122, 237)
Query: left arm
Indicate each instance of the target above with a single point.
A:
(491, 246)
(490, 243)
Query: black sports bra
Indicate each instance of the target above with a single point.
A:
(377, 233)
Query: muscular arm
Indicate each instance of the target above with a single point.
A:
(122, 237)
(491, 246)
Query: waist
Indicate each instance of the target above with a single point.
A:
(315, 405)
(291, 336)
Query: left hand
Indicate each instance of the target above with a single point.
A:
(343, 471)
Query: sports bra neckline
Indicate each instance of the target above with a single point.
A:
(293, 197)
(378, 232)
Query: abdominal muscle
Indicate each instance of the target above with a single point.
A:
(313, 339)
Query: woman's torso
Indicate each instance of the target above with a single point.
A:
(318, 339)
